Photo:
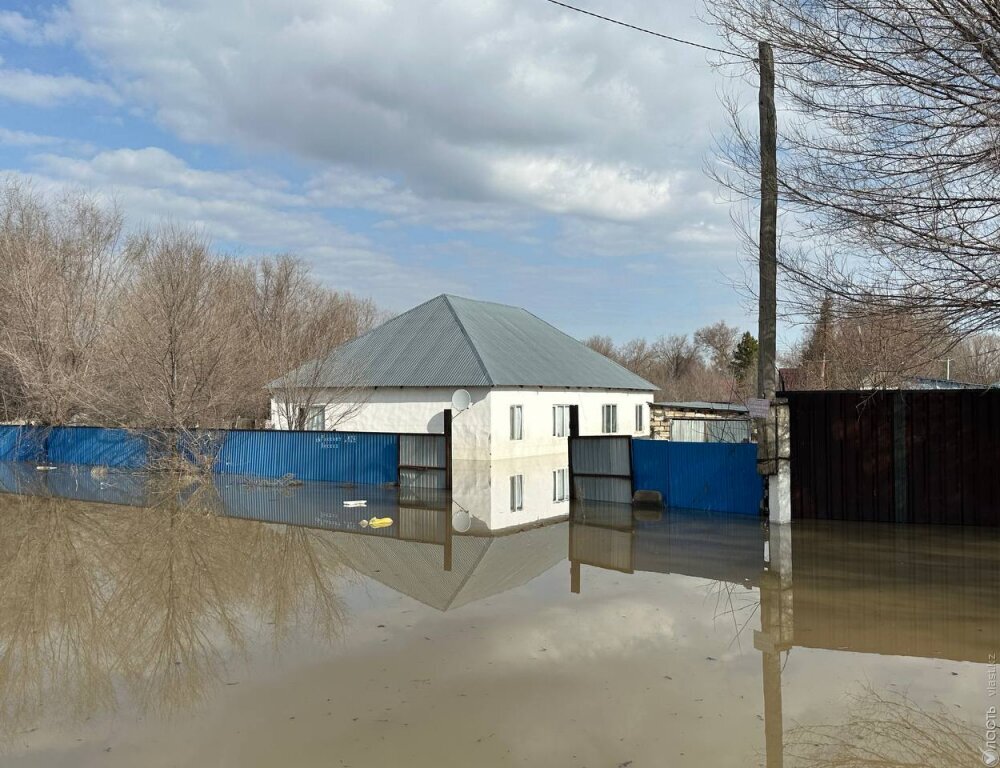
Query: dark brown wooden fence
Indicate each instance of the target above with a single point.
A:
(922, 456)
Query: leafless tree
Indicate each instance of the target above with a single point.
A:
(886, 728)
(717, 341)
(294, 326)
(682, 368)
(177, 332)
(62, 268)
(889, 157)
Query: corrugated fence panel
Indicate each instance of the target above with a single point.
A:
(609, 489)
(337, 457)
(714, 477)
(94, 446)
(923, 456)
(21, 443)
(422, 451)
(600, 455)
(422, 479)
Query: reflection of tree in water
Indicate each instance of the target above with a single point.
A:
(886, 730)
(735, 605)
(52, 632)
(159, 598)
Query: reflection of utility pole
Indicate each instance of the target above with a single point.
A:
(775, 635)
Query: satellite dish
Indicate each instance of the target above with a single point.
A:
(461, 400)
(461, 520)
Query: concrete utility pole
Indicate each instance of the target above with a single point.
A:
(767, 295)
(773, 450)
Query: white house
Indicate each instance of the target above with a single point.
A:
(523, 376)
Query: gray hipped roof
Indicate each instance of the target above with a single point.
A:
(455, 342)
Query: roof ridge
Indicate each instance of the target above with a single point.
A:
(468, 338)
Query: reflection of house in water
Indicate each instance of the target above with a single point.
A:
(444, 552)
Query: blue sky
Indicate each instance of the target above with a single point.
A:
(499, 149)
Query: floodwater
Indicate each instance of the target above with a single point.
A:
(230, 625)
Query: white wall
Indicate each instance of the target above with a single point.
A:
(482, 432)
(417, 410)
(537, 406)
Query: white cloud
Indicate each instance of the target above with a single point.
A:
(566, 185)
(475, 100)
(44, 90)
(255, 212)
(54, 27)
(26, 139)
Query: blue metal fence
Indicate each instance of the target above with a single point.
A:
(715, 477)
(364, 458)
(361, 458)
(21, 443)
(97, 446)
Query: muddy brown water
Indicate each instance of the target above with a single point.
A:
(176, 633)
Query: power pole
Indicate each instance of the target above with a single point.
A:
(767, 295)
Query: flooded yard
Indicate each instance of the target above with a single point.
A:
(230, 625)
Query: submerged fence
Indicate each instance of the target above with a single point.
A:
(363, 458)
(711, 477)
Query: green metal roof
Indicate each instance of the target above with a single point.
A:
(454, 342)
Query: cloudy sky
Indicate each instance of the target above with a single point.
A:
(507, 150)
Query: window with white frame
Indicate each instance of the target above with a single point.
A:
(313, 417)
(560, 485)
(609, 418)
(516, 493)
(640, 412)
(560, 420)
(516, 422)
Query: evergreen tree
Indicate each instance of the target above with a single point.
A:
(744, 359)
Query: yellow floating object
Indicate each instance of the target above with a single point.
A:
(380, 522)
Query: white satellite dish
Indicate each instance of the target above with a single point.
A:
(461, 400)
(461, 520)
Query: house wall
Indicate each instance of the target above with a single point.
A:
(537, 406)
(482, 432)
(414, 410)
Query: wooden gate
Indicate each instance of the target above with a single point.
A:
(921, 456)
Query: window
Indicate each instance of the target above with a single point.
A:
(516, 493)
(516, 422)
(560, 420)
(560, 490)
(639, 413)
(609, 418)
(312, 418)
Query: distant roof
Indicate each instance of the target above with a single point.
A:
(454, 342)
(699, 405)
(925, 382)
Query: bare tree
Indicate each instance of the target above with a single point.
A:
(294, 327)
(681, 368)
(889, 173)
(177, 333)
(62, 267)
(718, 342)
